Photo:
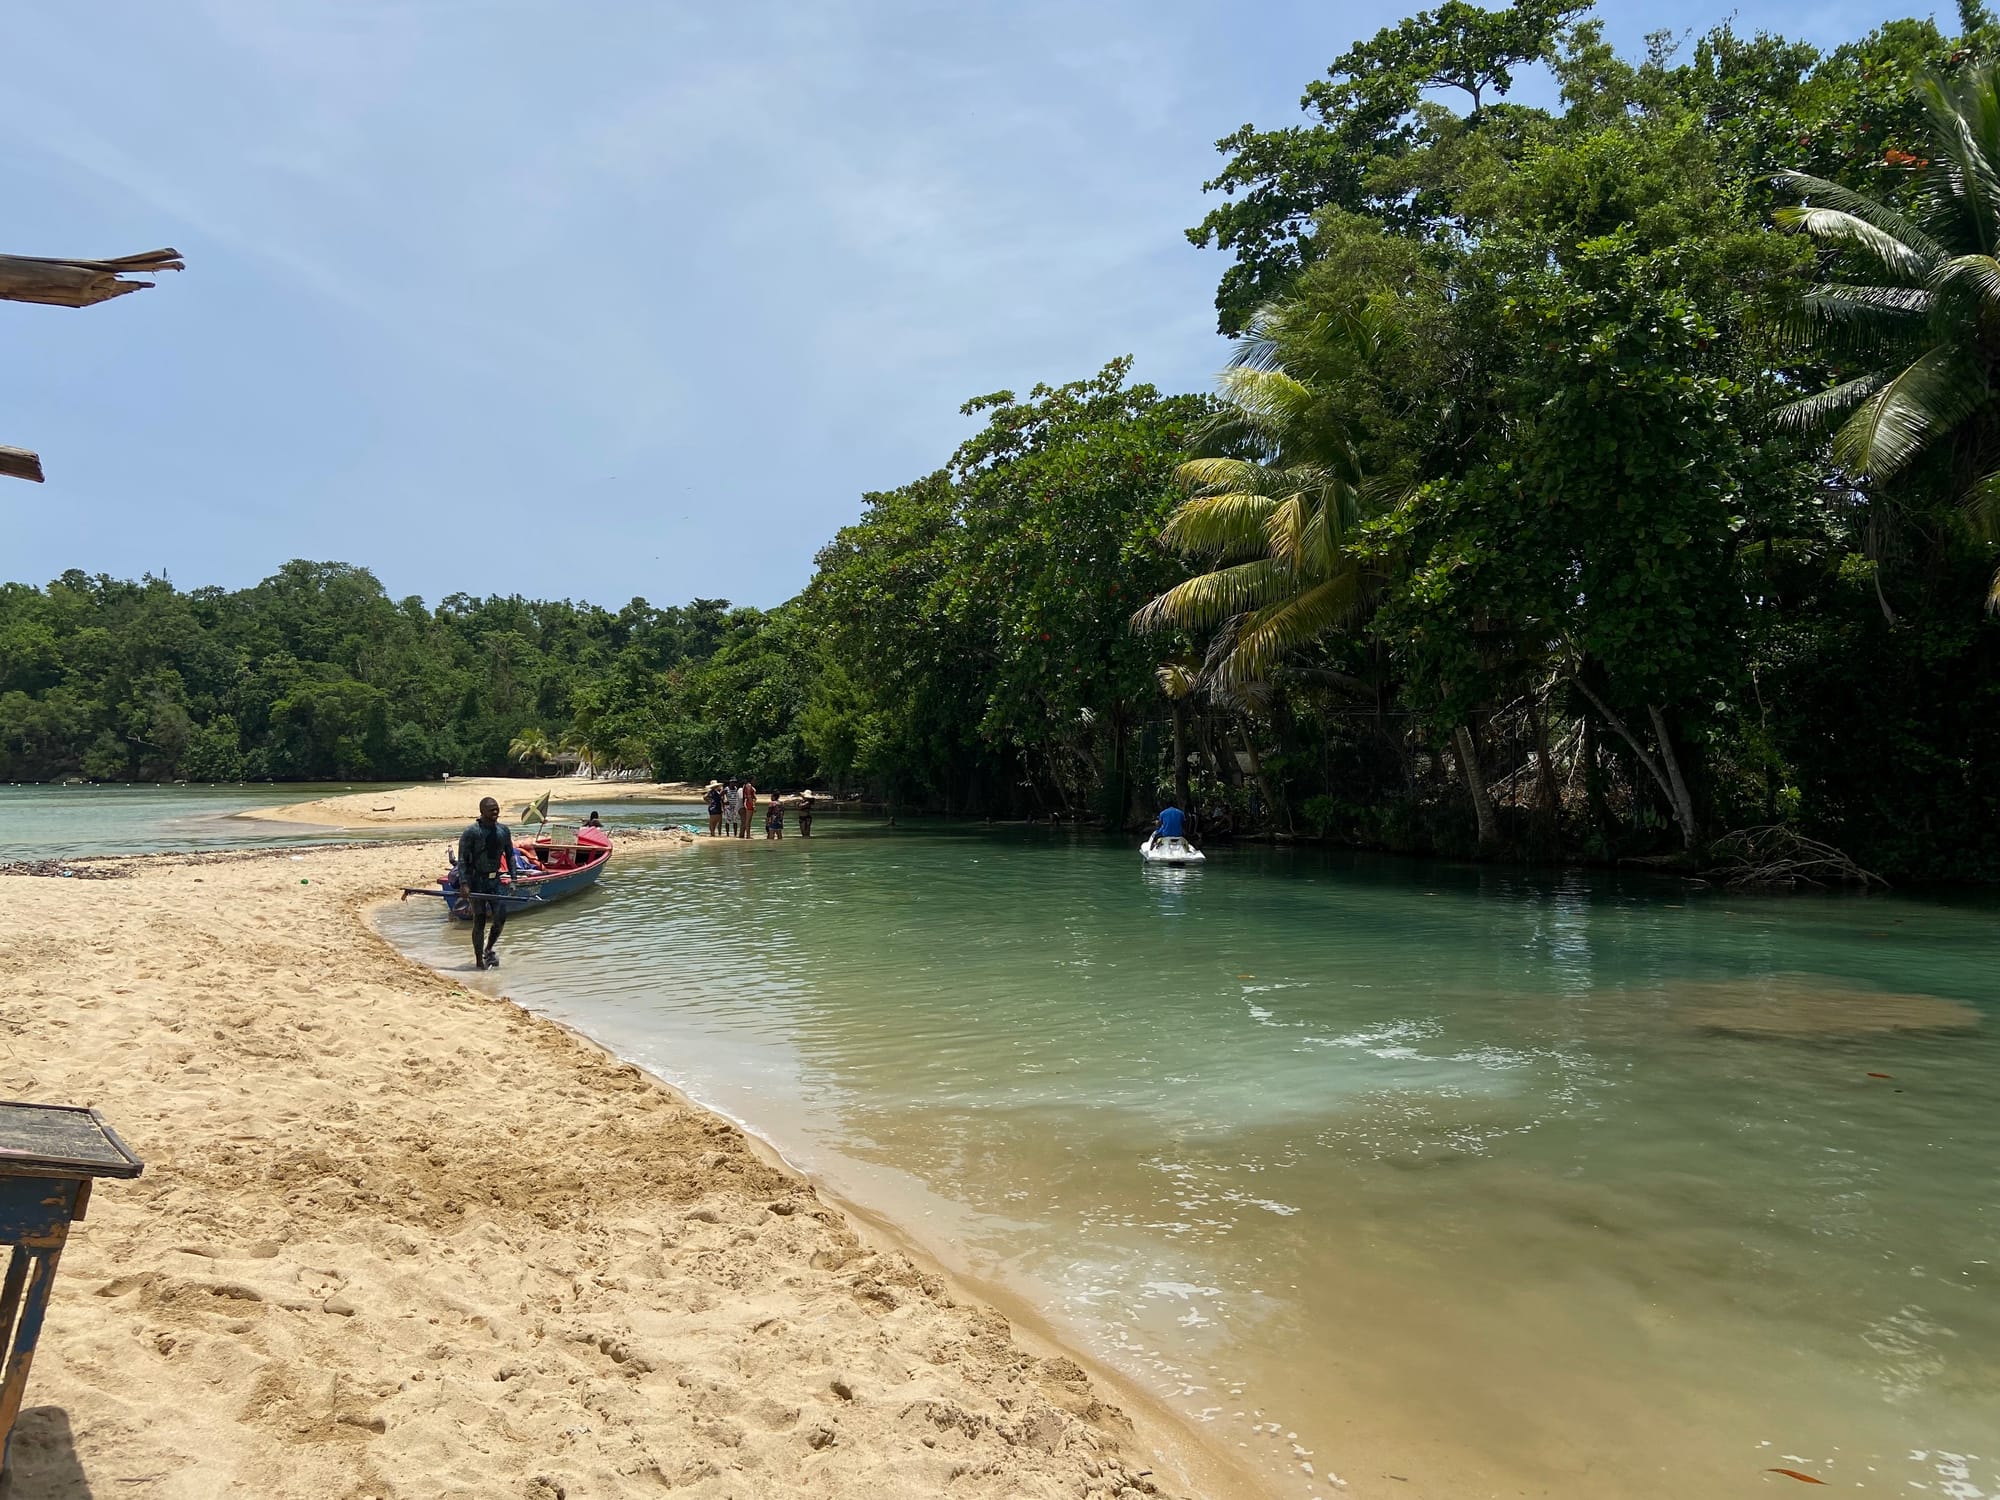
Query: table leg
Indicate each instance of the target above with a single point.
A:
(10, 1295)
(40, 1275)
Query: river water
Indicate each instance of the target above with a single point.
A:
(72, 822)
(1428, 1181)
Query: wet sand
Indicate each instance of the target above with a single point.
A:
(397, 1238)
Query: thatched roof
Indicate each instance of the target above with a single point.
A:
(80, 283)
(71, 283)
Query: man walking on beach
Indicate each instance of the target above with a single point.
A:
(485, 850)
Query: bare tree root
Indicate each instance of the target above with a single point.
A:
(1777, 858)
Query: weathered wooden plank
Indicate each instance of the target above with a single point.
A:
(35, 1210)
(61, 1140)
(19, 463)
(79, 283)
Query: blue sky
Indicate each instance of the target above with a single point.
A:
(599, 300)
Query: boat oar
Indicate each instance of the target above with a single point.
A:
(468, 896)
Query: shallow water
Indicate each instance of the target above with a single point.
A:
(1442, 1181)
(73, 822)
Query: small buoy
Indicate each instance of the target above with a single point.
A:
(303, 881)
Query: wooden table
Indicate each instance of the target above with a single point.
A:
(49, 1155)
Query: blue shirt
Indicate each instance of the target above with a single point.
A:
(1170, 824)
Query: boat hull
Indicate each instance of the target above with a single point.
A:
(552, 885)
(1171, 852)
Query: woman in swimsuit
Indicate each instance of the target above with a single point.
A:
(774, 820)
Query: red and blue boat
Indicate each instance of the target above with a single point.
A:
(549, 870)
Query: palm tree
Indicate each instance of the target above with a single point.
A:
(531, 747)
(1178, 680)
(1929, 324)
(1271, 503)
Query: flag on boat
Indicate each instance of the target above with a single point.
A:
(536, 811)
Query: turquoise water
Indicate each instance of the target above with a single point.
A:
(1445, 1182)
(72, 822)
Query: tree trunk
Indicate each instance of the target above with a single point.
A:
(1593, 783)
(1475, 783)
(1140, 783)
(1551, 798)
(1683, 803)
(1257, 771)
(1180, 756)
(1682, 807)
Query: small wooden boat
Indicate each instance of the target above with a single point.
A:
(560, 869)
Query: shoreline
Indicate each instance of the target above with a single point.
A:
(400, 1238)
(443, 803)
(1199, 1463)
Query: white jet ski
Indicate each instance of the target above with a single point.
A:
(1171, 852)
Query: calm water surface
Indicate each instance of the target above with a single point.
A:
(72, 822)
(1441, 1181)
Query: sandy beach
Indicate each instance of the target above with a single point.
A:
(398, 1238)
(457, 800)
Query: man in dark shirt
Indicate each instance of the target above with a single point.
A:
(485, 854)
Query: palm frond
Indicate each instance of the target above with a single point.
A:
(1268, 635)
(1965, 118)
(1284, 529)
(1258, 346)
(1225, 526)
(1973, 279)
(1833, 226)
(1177, 679)
(1854, 319)
(1928, 398)
(1811, 411)
(1268, 397)
(1880, 216)
(1981, 505)
(1216, 476)
(1207, 599)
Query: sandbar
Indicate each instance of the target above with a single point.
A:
(1808, 1007)
(457, 800)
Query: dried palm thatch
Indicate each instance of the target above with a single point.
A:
(80, 283)
(71, 283)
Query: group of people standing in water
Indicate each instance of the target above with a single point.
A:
(732, 810)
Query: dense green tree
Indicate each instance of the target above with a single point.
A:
(315, 672)
(1920, 326)
(978, 616)
(1377, 124)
